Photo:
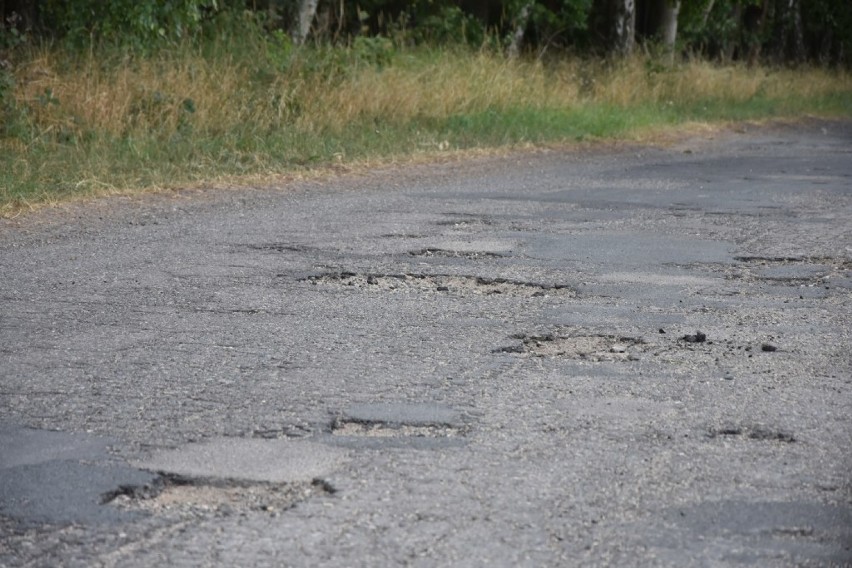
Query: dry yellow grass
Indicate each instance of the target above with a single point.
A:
(155, 95)
(86, 125)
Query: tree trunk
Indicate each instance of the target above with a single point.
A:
(705, 15)
(799, 54)
(302, 24)
(623, 26)
(731, 41)
(613, 24)
(514, 48)
(668, 24)
(788, 42)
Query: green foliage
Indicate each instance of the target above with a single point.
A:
(451, 25)
(139, 24)
(12, 115)
(372, 51)
(11, 34)
(563, 23)
(279, 48)
(828, 30)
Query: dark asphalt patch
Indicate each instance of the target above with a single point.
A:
(23, 446)
(62, 492)
(799, 530)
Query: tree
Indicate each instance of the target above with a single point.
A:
(658, 21)
(302, 22)
(520, 26)
(668, 12)
(613, 24)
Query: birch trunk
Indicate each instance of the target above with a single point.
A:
(623, 26)
(302, 25)
(520, 27)
(705, 15)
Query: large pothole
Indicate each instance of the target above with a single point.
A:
(232, 474)
(793, 270)
(431, 252)
(596, 347)
(440, 283)
(188, 495)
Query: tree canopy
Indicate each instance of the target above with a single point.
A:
(775, 31)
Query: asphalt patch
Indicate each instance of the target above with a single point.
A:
(59, 477)
(247, 460)
(64, 492)
(27, 446)
(799, 530)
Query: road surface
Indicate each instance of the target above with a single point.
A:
(625, 355)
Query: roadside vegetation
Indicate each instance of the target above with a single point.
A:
(236, 96)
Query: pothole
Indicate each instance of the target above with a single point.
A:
(232, 474)
(187, 495)
(445, 253)
(385, 430)
(756, 259)
(440, 283)
(278, 247)
(462, 221)
(759, 433)
(793, 270)
(585, 347)
(398, 420)
(287, 431)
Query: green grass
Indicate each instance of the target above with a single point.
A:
(77, 126)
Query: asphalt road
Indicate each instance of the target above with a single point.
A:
(616, 356)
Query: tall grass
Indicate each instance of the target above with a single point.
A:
(82, 124)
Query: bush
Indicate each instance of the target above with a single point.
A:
(134, 23)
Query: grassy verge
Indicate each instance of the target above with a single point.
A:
(81, 125)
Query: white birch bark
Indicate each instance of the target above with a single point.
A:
(305, 17)
(624, 26)
(520, 26)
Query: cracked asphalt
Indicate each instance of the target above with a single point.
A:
(625, 355)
